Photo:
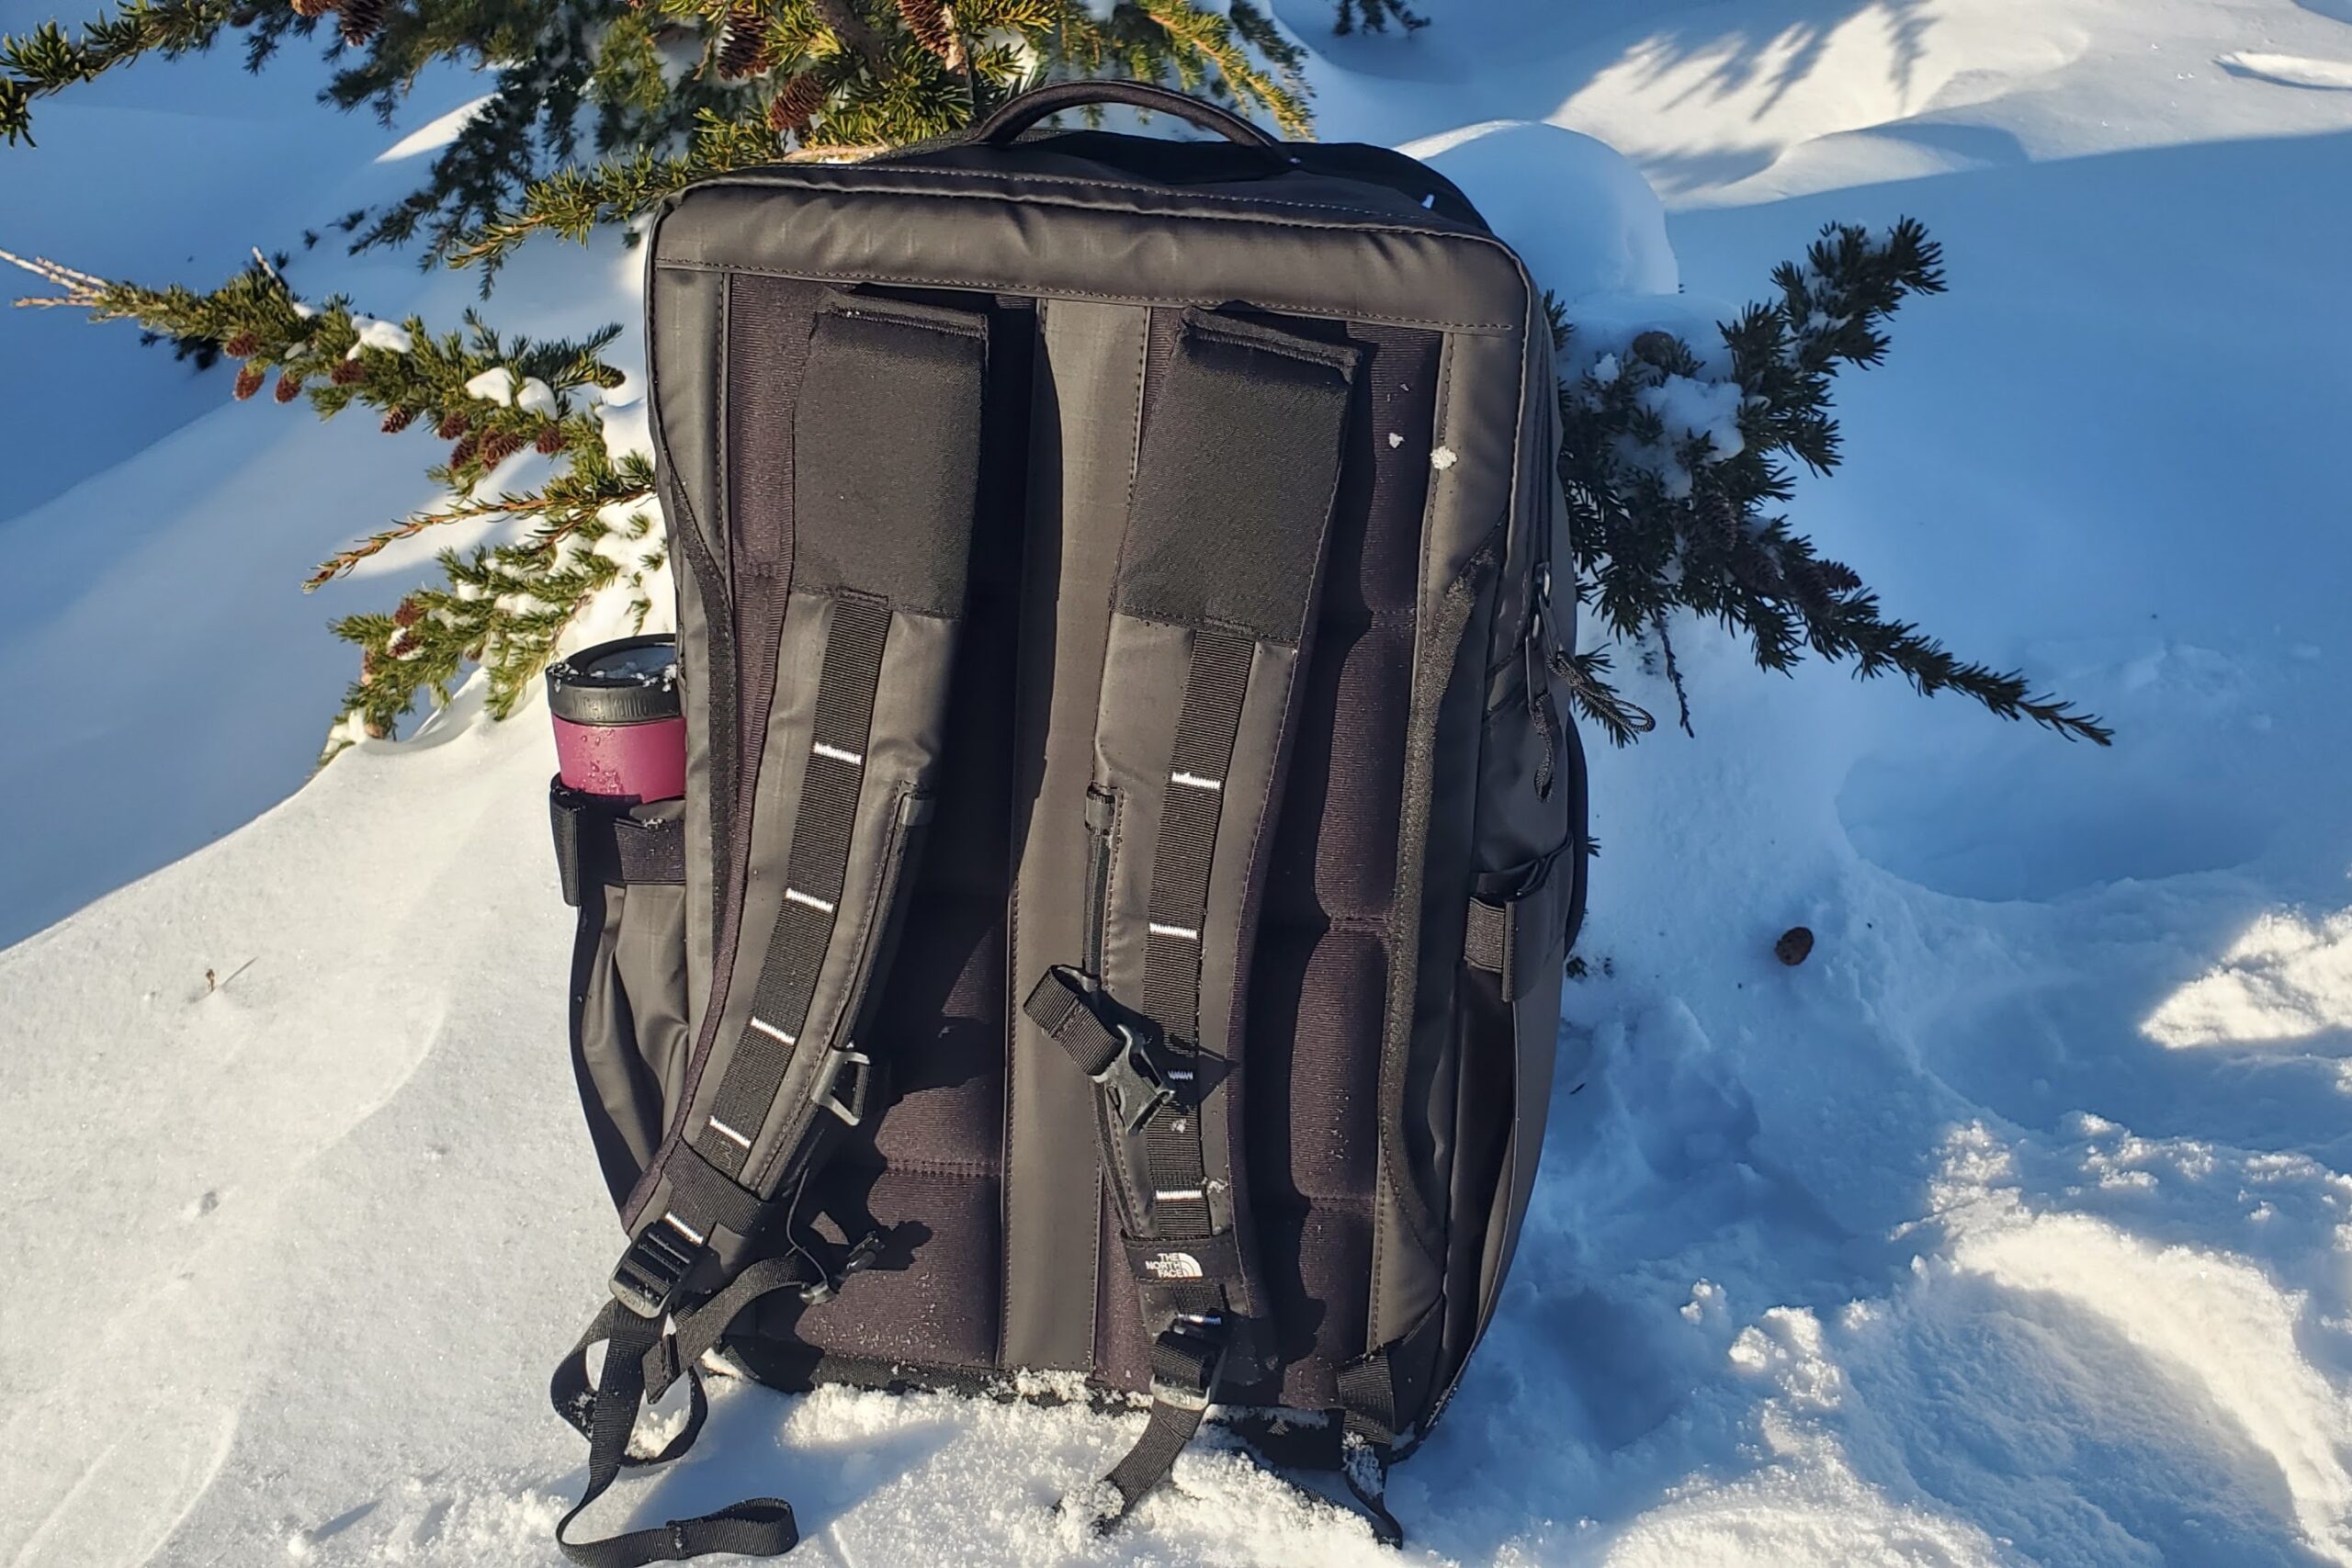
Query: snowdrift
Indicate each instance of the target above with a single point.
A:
(2010, 1227)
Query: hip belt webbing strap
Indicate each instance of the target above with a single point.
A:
(1237, 473)
(885, 440)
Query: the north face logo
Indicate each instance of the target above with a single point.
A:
(1174, 1266)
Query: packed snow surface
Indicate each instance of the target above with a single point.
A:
(2013, 1226)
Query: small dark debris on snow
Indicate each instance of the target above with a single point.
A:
(1794, 946)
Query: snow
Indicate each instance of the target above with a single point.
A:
(508, 390)
(2011, 1226)
(389, 336)
(1617, 241)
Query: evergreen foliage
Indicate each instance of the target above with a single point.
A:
(665, 92)
(588, 527)
(668, 91)
(1700, 532)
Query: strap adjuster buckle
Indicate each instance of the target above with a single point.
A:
(1137, 1084)
(1187, 1359)
(650, 1273)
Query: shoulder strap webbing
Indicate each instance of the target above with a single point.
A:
(885, 459)
(1236, 477)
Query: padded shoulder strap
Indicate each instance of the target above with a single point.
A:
(1235, 481)
(886, 460)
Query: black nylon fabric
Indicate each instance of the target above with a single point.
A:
(928, 1172)
(1226, 526)
(887, 441)
(813, 877)
(1333, 937)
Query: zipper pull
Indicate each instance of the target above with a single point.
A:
(1538, 653)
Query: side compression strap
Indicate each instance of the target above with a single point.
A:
(1236, 476)
(885, 459)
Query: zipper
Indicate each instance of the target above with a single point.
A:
(1541, 648)
(906, 824)
(1102, 817)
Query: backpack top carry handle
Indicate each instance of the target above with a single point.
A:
(1005, 124)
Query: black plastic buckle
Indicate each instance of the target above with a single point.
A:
(1197, 1340)
(861, 1258)
(654, 1266)
(1136, 1082)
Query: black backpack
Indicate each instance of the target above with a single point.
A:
(1114, 921)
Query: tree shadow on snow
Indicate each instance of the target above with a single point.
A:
(1518, 60)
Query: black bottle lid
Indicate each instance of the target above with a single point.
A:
(634, 680)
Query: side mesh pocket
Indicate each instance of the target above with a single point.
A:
(623, 867)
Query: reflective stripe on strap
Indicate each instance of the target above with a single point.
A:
(1175, 1158)
(814, 873)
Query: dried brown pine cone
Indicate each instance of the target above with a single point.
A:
(362, 19)
(797, 104)
(933, 28)
(743, 42)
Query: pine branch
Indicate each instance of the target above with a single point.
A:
(345, 560)
(1586, 675)
(48, 60)
(1673, 673)
(573, 202)
(1663, 521)
(494, 396)
(841, 19)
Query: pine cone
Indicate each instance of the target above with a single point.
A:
(240, 347)
(362, 19)
(347, 373)
(933, 27)
(551, 441)
(376, 731)
(797, 104)
(463, 452)
(289, 386)
(312, 8)
(743, 42)
(366, 665)
(1794, 946)
(398, 421)
(249, 380)
(409, 613)
(499, 445)
(452, 426)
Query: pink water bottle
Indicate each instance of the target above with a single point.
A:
(620, 731)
